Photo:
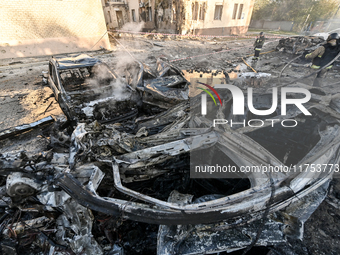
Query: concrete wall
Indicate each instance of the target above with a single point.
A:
(272, 25)
(148, 25)
(167, 15)
(226, 25)
(40, 27)
(333, 24)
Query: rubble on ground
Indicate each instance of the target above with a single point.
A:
(113, 178)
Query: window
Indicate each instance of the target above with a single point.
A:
(108, 12)
(133, 14)
(174, 14)
(145, 14)
(149, 10)
(194, 11)
(240, 11)
(218, 12)
(235, 11)
(202, 11)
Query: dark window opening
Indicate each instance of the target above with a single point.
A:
(235, 11)
(149, 14)
(218, 12)
(240, 11)
(108, 12)
(202, 11)
(194, 11)
(133, 14)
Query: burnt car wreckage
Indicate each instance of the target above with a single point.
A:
(120, 162)
(299, 44)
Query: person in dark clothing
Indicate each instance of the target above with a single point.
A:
(322, 56)
(258, 46)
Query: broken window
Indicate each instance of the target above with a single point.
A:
(202, 11)
(149, 13)
(235, 11)
(218, 12)
(240, 11)
(84, 78)
(133, 14)
(146, 15)
(142, 14)
(194, 11)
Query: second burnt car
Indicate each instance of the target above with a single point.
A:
(299, 44)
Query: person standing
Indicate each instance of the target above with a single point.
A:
(258, 46)
(322, 56)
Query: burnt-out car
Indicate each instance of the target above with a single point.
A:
(169, 88)
(299, 44)
(159, 89)
(105, 177)
(87, 90)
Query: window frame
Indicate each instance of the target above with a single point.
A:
(133, 15)
(195, 10)
(218, 16)
(240, 10)
(201, 13)
(235, 11)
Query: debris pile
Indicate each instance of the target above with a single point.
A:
(115, 179)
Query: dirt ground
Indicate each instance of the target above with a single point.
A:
(25, 98)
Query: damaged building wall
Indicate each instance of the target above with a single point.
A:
(32, 28)
(166, 15)
(146, 13)
(119, 12)
(202, 17)
(116, 13)
(215, 17)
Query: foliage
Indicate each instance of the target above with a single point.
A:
(301, 12)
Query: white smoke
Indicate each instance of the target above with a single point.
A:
(119, 90)
(102, 77)
(133, 26)
(125, 66)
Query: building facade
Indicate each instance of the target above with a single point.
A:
(36, 27)
(116, 13)
(216, 17)
(120, 12)
(206, 17)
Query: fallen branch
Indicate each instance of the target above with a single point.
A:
(249, 66)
